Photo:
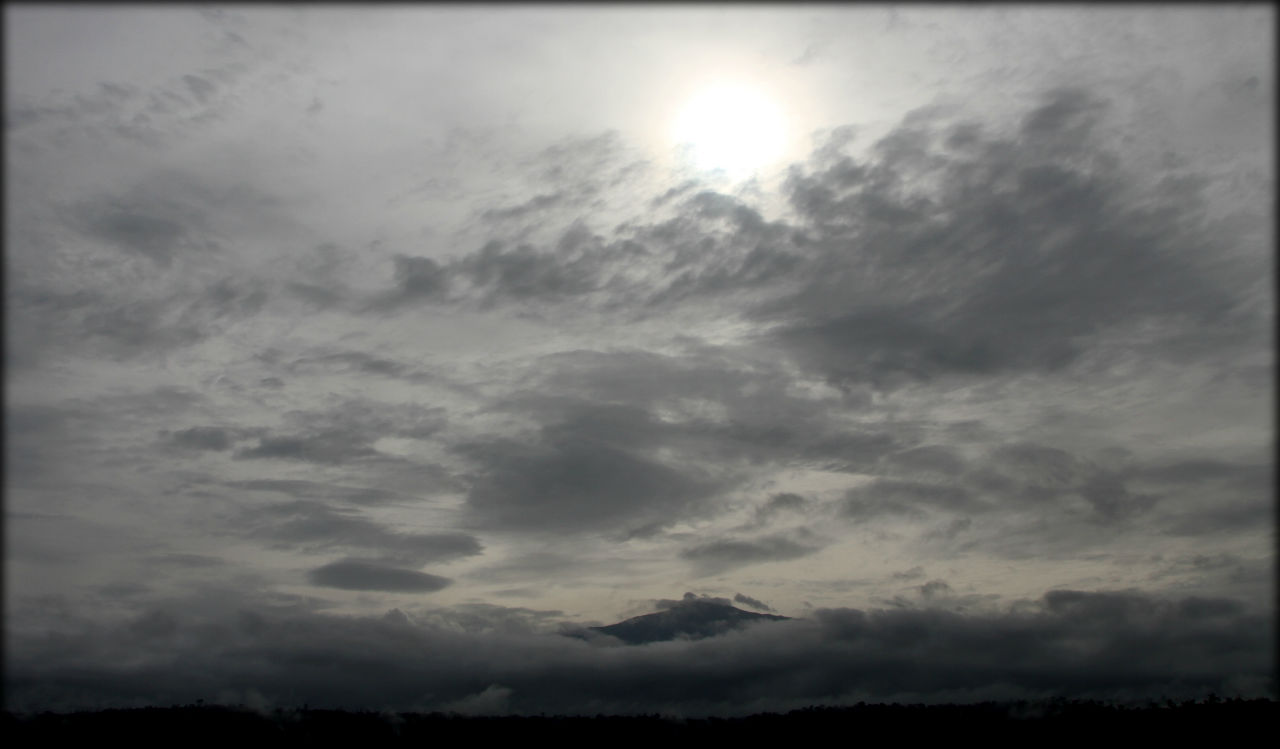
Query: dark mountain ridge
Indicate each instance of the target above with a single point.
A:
(692, 619)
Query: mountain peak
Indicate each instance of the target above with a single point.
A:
(691, 618)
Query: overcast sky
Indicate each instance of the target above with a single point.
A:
(354, 353)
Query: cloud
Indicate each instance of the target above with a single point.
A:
(722, 405)
(494, 700)
(1072, 644)
(724, 554)
(937, 462)
(300, 489)
(203, 438)
(752, 602)
(590, 469)
(345, 432)
(978, 253)
(484, 618)
(331, 448)
(359, 363)
(531, 206)
(685, 601)
(950, 249)
(123, 325)
(314, 527)
(904, 498)
(352, 574)
(418, 280)
(912, 574)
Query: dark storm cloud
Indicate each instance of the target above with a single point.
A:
(1070, 644)
(352, 574)
(314, 527)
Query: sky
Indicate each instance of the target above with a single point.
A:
(355, 355)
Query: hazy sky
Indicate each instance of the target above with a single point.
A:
(352, 353)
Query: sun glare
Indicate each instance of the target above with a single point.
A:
(733, 128)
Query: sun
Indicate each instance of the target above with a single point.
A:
(733, 128)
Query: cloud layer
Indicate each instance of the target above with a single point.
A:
(334, 313)
(1074, 644)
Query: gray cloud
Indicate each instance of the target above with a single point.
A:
(523, 272)
(588, 467)
(977, 253)
(314, 527)
(300, 489)
(122, 326)
(781, 504)
(987, 253)
(531, 206)
(566, 484)
(353, 574)
(927, 348)
(905, 498)
(485, 618)
(329, 448)
(1071, 644)
(723, 406)
(754, 603)
(723, 554)
(418, 279)
(664, 604)
(345, 433)
(203, 438)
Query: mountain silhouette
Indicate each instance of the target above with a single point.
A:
(691, 618)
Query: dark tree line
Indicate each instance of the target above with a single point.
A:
(1056, 722)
